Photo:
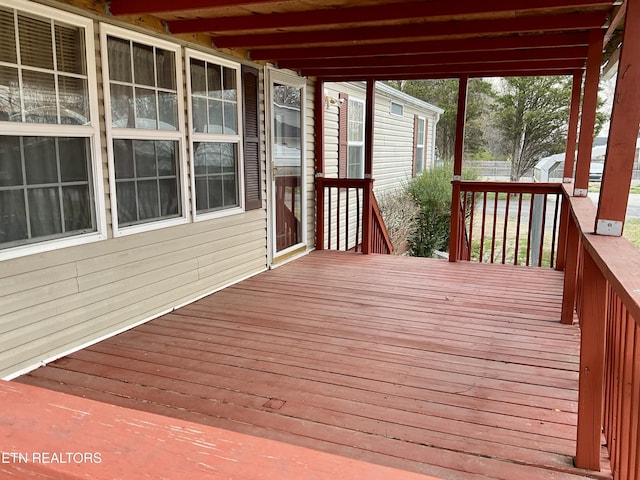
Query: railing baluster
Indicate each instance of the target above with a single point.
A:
(506, 228)
(627, 382)
(542, 229)
(495, 221)
(346, 227)
(484, 219)
(473, 209)
(330, 217)
(529, 230)
(463, 224)
(634, 444)
(358, 217)
(519, 221)
(554, 231)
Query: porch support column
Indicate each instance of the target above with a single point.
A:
(623, 131)
(572, 133)
(367, 212)
(589, 107)
(592, 360)
(318, 109)
(455, 231)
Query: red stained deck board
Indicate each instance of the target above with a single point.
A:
(454, 369)
(133, 444)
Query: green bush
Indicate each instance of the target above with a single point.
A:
(432, 192)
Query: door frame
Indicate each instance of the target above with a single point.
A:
(272, 76)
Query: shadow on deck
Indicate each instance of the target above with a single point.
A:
(455, 370)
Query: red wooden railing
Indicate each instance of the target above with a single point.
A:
(503, 222)
(348, 217)
(602, 290)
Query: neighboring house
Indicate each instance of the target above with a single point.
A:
(404, 134)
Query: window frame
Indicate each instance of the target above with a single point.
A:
(399, 105)
(115, 133)
(359, 143)
(195, 137)
(421, 143)
(90, 132)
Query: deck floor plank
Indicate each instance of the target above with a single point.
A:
(453, 370)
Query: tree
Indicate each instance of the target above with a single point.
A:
(444, 94)
(532, 116)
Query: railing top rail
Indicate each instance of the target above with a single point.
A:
(510, 187)
(616, 257)
(343, 182)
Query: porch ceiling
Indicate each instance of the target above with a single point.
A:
(384, 39)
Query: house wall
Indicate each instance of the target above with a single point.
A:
(392, 156)
(393, 135)
(58, 301)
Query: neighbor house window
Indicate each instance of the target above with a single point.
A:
(355, 137)
(397, 109)
(48, 136)
(143, 86)
(420, 142)
(216, 135)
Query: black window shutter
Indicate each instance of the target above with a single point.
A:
(251, 118)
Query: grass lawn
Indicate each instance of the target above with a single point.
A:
(632, 231)
(595, 187)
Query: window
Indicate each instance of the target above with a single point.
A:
(143, 88)
(49, 182)
(396, 109)
(355, 137)
(215, 132)
(420, 136)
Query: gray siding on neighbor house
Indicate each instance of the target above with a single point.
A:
(393, 134)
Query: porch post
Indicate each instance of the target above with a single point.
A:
(570, 272)
(623, 131)
(367, 213)
(318, 109)
(589, 107)
(572, 133)
(455, 233)
(592, 359)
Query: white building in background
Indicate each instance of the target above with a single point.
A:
(404, 134)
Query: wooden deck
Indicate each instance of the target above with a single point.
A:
(455, 370)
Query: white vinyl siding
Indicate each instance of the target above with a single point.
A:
(54, 303)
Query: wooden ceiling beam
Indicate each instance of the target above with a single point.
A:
(337, 77)
(139, 7)
(564, 53)
(423, 47)
(615, 23)
(484, 69)
(533, 23)
(407, 12)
